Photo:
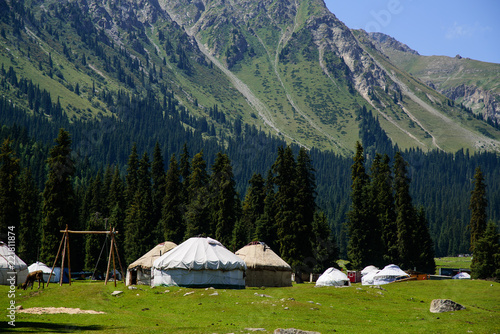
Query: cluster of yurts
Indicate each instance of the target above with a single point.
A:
(205, 262)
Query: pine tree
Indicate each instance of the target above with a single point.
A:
(138, 226)
(9, 203)
(29, 218)
(266, 229)
(425, 261)
(58, 197)
(93, 242)
(284, 170)
(358, 215)
(224, 201)
(116, 207)
(253, 206)
(197, 213)
(478, 205)
(158, 177)
(486, 262)
(172, 220)
(323, 244)
(132, 178)
(406, 215)
(383, 223)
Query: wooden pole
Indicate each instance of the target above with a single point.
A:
(119, 262)
(113, 245)
(69, 262)
(63, 258)
(57, 256)
(109, 262)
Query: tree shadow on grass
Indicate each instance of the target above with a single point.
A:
(42, 327)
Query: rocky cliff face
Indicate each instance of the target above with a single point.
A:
(477, 99)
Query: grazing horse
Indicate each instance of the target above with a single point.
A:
(32, 277)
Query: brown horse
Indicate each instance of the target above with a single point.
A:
(32, 277)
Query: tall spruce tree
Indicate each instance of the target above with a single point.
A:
(9, 197)
(359, 213)
(158, 191)
(58, 197)
(172, 220)
(29, 218)
(94, 242)
(117, 207)
(406, 219)
(324, 247)
(138, 221)
(478, 205)
(197, 211)
(384, 229)
(288, 226)
(224, 201)
(486, 258)
(132, 177)
(266, 228)
(425, 255)
(253, 206)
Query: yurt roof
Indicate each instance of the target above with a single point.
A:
(258, 255)
(8, 258)
(146, 261)
(391, 270)
(368, 269)
(199, 253)
(39, 266)
(331, 275)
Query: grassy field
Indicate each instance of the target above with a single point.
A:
(453, 262)
(398, 308)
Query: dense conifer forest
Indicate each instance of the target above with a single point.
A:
(122, 164)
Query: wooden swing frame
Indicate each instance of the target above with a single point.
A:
(65, 241)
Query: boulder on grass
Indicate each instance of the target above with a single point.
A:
(445, 305)
(293, 331)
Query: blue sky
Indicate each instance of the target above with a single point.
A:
(470, 28)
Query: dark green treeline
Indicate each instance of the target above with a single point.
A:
(150, 204)
(383, 225)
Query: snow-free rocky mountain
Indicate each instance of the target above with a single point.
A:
(288, 67)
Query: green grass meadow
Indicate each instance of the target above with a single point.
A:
(397, 308)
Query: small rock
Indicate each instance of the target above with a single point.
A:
(188, 293)
(20, 307)
(116, 293)
(214, 294)
(132, 287)
(293, 331)
(145, 309)
(445, 305)
(255, 329)
(166, 291)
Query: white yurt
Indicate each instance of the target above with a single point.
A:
(367, 279)
(200, 262)
(333, 277)
(389, 274)
(11, 266)
(462, 275)
(368, 269)
(46, 271)
(139, 271)
(264, 267)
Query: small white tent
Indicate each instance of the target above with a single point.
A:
(461, 275)
(200, 262)
(389, 274)
(11, 266)
(139, 271)
(333, 277)
(368, 278)
(368, 269)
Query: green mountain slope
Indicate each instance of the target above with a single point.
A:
(288, 67)
(466, 81)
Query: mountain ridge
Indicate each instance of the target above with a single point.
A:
(290, 67)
